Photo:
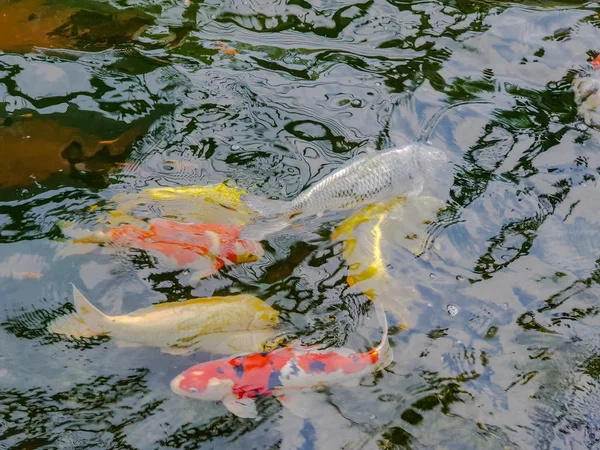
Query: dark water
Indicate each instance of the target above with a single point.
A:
(517, 248)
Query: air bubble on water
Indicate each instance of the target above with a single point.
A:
(377, 83)
(505, 305)
(452, 309)
(356, 103)
(432, 275)
(430, 305)
(235, 147)
(460, 278)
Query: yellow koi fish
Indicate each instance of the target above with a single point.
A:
(226, 325)
(208, 204)
(400, 223)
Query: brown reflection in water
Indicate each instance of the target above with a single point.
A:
(25, 24)
(33, 149)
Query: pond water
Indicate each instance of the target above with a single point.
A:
(494, 323)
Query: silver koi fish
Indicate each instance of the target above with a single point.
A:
(367, 179)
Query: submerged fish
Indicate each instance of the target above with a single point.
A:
(586, 88)
(379, 242)
(238, 323)
(203, 247)
(217, 203)
(365, 180)
(286, 373)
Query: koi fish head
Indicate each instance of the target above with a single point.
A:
(247, 251)
(596, 62)
(206, 381)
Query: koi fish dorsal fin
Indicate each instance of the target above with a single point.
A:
(88, 321)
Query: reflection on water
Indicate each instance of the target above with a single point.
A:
(102, 101)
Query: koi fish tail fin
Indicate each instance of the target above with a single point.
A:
(87, 321)
(384, 349)
(82, 235)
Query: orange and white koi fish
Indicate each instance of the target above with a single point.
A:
(286, 373)
(586, 87)
(223, 325)
(203, 247)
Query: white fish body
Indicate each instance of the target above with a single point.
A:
(235, 323)
(587, 97)
(365, 180)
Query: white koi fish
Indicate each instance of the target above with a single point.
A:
(286, 373)
(225, 325)
(367, 179)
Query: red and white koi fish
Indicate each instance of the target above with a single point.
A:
(203, 247)
(286, 373)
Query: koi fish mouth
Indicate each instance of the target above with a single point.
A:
(175, 383)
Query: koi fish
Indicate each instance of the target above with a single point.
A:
(218, 324)
(285, 373)
(367, 179)
(226, 48)
(214, 203)
(203, 247)
(375, 237)
(586, 88)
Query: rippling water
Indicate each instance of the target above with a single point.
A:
(99, 98)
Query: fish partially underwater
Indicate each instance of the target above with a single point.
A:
(205, 248)
(225, 325)
(217, 203)
(370, 178)
(380, 245)
(586, 88)
(287, 373)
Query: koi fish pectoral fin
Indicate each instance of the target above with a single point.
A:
(299, 402)
(241, 407)
(177, 351)
(203, 267)
(127, 344)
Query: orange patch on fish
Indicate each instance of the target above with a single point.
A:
(27, 275)
(186, 242)
(26, 116)
(596, 62)
(108, 142)
(226, 48)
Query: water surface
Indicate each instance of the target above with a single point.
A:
(97, 96)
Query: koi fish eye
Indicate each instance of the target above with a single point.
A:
(193, 390)
(169, 165)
